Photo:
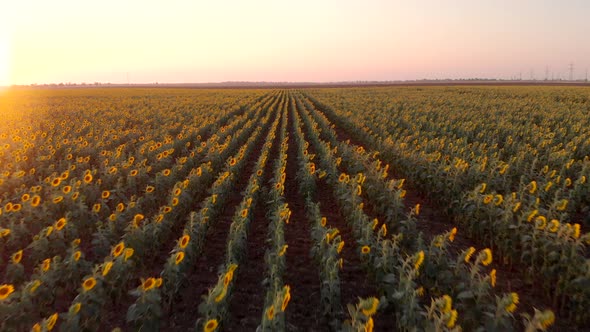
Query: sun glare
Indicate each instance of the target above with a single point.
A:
(4, 62)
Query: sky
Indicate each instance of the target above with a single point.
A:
(174, 41)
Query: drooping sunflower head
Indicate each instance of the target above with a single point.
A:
(485, 256)
(468, 254)
(369, 306)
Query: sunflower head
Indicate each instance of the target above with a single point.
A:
(17, 257)
(148, 284)
(179, 257)
(5, 291)
(88, 284)
(118, 249)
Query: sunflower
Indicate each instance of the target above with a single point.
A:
(384, 230)
(576, 234)
(244, 213)
(533, 187)
(452, 234)
(342, 177)
(25, 197)
(112, 217)
(17, 257)
(149, 189)
(58, 199)
(56, 182)
(177, 192)
(493, 278)
(35, 201)
(8, 207)
(184, 240)
(283, 250)
(270, 312)
(105, 194)
(487, 199)
(77, 254)
(211, 325)
(133, 172)
(532, 215)
(75, 308)
(35, 284)
(419, 260)
(89, 284)
(88, 178)
(159, 218)
(51, 322)
(553, 225)
(137, 219)
(148, 284)
(469, 253)
(323, 221)
(286, 297)
(447, 303)
(5, 291)
(417, 209)
(60, 224)
(179, 257)
(547, 318)
(128, 253)
(213, 198)
(486, 257)
(403, 194)
(562, 205)
(369, 306)
(516, 207)
(514, 300)
(340, 247)
(75, 195)
(158, 282)
(167, 209)
(166, 172)
(113, 170)
(365, 250)
(106, 268)
(175, 201)
(452, 319)
(482, 188)
(498, 199)
(46, 265)
(118, 249)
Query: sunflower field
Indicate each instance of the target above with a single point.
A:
(340, 209)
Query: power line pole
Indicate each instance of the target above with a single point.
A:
(571, 66)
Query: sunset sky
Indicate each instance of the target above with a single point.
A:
(278, 40)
